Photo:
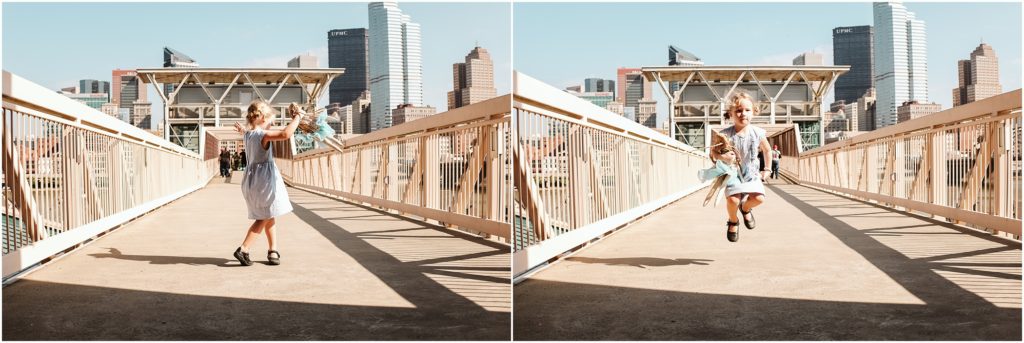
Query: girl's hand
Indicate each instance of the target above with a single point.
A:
(765, 174)
(239, 128)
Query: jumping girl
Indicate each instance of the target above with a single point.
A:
(747, 140)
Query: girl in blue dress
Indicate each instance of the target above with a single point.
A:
(747, 139)
(262, 186)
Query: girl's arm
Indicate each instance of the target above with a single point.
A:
(285, 134)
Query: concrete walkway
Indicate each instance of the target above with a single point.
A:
(348, 273)
(817, 267)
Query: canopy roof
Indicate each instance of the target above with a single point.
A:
(227, 75)
(731, 73)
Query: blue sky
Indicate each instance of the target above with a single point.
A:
(593, 39)
(57, 44)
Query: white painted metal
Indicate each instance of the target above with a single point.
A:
(71, 172)
(582, 171)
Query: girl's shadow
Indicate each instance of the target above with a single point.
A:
(162, 260)
(642, 262)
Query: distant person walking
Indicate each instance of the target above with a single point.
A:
(747, 140)
(262, 185)
(225, 162)
(244, 161)
(776, 158)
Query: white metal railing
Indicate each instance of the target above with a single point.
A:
(453, 167)
(582, 171)
(71, 172)
(963, 164)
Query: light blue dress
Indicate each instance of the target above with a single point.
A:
(262, 186)
(747, 145)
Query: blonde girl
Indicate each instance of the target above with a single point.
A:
(262, 186)
(747, 140)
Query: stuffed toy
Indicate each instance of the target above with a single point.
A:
(724, 172)
(311, 127)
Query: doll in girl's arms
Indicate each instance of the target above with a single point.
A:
(311, 127)
(725, 170)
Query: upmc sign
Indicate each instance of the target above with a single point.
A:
(339, 33)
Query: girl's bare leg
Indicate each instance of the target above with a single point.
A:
(732, 203)
(271, 233)
(254, 232)
(752, 201)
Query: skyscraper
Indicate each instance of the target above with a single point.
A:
(127, 90)
(348, 49)
(853, 46)
(93, 86)
(304, 61)
(900, 65)
(473, 80)
(176, 59)
(680, 57)
(646, 113)
(396, 67)
(979, 76)
(595, 84)
(809, 58)
(632, 87)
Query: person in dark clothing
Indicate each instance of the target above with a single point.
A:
(234, 160)
(776, 159)
(760, 160)
(225, 162)
(244, 161)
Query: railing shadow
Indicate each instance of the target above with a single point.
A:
(455, 275)
(915, 260)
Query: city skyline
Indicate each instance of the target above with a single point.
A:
(237, 46)
(659, 25)
(396, 62)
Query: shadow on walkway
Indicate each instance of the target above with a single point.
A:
(618, 313)
(342, 279)
(154, 259)
(848, 270)
(642, 262)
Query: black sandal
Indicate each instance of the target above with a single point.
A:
(243, 257)
(732, 236)
(274, 260)
(750, 224)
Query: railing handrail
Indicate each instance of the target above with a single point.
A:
(532, 91)
(480, 110)
(980, 108)
(404, 168)
(19, 91)
(611, 171)
(958, 164)
(71, 173)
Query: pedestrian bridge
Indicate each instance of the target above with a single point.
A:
(112, 233)
(910, 232)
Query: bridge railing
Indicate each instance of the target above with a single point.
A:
(963, 164)
(452, 167)
(582, 171)
(71, 172)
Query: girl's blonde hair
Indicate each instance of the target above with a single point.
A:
(734, 102)
(255, 110)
